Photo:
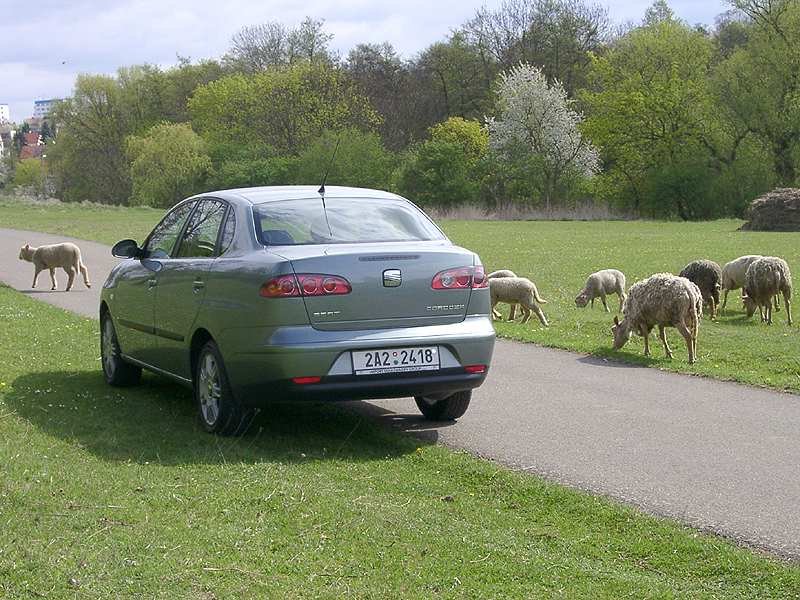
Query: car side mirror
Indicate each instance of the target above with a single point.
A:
(126, 249)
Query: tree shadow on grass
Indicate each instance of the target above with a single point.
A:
(155, 422)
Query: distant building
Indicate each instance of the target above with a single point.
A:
(42, 108)
(5, 114)
(7, 134)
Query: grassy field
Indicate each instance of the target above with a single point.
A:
(559, 256)
(118, 494)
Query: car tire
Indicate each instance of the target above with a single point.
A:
(217, 407)
(116, 370)
(446, 409)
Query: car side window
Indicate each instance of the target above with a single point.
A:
(228, 230)
(161, 241)
(200, 237)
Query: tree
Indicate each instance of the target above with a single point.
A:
(260, 47)
(89, 159)
(556, 35)
(31, 173)
(168, 163)
(361, 160)
(537, 119)
(279, 111)
(758, 86)
(445, 170)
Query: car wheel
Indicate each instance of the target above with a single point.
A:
(218, 409)
(116, 371)
(446, 409)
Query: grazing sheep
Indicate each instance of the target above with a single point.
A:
(66, 256)
(733, 276)
(706, 275)
(664, 300)
(765, 278)
(517, 290)
(607, 281)
(503, 273)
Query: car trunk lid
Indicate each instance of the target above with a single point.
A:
(391, 284)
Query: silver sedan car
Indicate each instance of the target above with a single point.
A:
(258, 295)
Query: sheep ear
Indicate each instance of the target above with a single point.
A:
(616, 321)
(27, 246)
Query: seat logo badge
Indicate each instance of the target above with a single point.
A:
(392, 278)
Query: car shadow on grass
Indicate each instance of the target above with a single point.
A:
(155, 422)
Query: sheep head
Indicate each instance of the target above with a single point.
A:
(621, 332)
(749, 304)
(25, 252)
(582, 299)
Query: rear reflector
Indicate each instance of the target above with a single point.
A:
(462, 278)
(475, 369)
(306, 380)
(305, 284)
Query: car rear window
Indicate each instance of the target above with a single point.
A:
(341, 221)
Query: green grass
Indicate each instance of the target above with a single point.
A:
(110, 493)
(97, 222)
(559, 256)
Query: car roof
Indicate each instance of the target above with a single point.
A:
(260, 195)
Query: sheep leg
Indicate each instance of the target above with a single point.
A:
(526, 313)
(724, 298)
(71, 277)
(663, 335)
(687, 335)
(53, 278)
(646, 335)
(85, 272)
(605, 304)
(777, 303)
(768, 311)
(512, 314)
(538, 310)
(36, 272)
(788, 303)
(621, 300)
(592, 302)
(713, 305)
(496, 313)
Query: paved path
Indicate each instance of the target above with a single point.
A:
(719, 456)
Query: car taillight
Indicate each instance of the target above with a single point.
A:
(460, 279)
(475, 369)
(305, 284)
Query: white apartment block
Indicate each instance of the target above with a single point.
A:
(42, 108)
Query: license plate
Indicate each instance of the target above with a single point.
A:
(396, 360)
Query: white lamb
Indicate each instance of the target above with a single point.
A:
(517, 290)
(66, 256)
(733, 276)
(503, 273)
(664, 300)
(601, 283)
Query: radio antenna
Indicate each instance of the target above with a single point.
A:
(321, 190)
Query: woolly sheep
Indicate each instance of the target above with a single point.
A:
(764, 279)
(664, 300)
(503, 273)
(66, 256)
(517, 290)
(706, 275)
(607, 281)
(733, 276)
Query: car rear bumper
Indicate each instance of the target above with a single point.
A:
(268, 359)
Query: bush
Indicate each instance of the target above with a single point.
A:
(168, 163)
(31, 173)
(446, 170)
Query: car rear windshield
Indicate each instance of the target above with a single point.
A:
(341, 221)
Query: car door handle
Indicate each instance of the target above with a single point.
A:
(197, 286)
(151, 283)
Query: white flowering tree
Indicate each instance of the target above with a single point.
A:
(538, 120)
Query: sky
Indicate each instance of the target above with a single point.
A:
(44, 45)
